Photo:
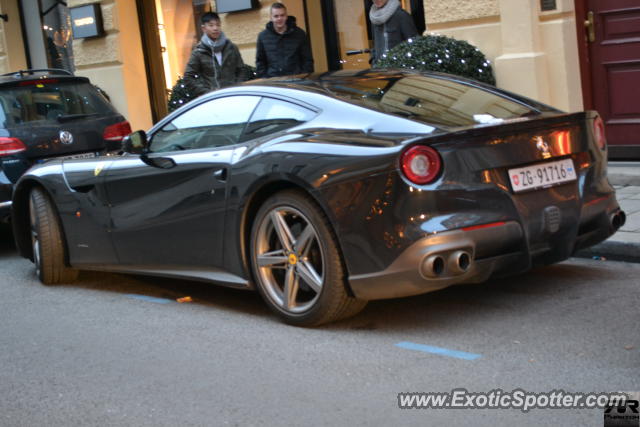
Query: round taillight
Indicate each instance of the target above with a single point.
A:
(421, 164)
(598, 131)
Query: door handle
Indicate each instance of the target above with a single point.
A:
(221, 174)
(589, 24)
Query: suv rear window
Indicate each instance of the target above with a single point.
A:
(45, 102)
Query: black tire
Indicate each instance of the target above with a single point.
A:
(301, 277)
(49, 251)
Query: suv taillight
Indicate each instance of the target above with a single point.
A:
(598, 131)
(9, 146)
(420, 164)
(117, 132)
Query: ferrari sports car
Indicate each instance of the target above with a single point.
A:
(326, 191)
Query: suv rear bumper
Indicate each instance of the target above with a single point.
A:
(5, 210)
(6, 193)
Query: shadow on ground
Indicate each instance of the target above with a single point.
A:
(458, 306)
(7, 246)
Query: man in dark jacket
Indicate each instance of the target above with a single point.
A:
(215, 62)
(391, 25)
(283, 48)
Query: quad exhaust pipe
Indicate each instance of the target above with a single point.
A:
(433, 266)
(459, 262)
(453, 264)
(617, 220)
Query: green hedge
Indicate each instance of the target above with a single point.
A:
(440, 53)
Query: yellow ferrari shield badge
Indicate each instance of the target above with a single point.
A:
(98, 168)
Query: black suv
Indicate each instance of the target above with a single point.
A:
(51, 113)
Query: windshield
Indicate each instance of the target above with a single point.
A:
(431, 100)
(49, 101)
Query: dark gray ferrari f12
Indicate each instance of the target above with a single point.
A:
(326, 191)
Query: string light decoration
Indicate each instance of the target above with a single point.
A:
(179, 95)
(435, 52)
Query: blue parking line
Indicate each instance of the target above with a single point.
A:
(149, 299)
(438, 350)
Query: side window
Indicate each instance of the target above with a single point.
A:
(274, 115)
(215, 123)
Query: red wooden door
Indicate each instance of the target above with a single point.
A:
(614, 61)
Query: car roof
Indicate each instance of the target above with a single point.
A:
(38, 74)
(320, 83)
(314, 81)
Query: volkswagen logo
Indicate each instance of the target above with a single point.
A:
(542, 145)
(66, 137)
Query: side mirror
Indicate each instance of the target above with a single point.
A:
(136, 142)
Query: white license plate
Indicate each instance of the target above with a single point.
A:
(542, 175)
(79, 156)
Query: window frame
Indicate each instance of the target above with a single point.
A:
(180, 113)
(208, 98)
(244, 137)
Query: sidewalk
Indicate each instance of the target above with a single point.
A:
(625, 244)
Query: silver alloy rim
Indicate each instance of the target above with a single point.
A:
(289, 258)
(35, 241)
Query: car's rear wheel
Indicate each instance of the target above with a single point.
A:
(47, 241)
(297, 263)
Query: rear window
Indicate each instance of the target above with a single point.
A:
(430, 100)
(46, 102)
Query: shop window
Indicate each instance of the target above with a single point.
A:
(56, 27)
(179, 31)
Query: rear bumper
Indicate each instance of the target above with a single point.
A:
(412, 272)
(433, 262)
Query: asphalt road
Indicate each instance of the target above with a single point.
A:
(103, 352)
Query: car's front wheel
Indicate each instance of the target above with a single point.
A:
(297, 263)
(47, 241)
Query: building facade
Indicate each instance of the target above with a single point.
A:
(538, 48)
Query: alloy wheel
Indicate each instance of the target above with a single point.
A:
(289, 258)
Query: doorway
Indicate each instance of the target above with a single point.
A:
(609, 47)
(169, 30)
(348, 31)
(352, 33)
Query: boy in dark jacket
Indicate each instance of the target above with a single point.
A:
(215, 62)
(282, 48)
(391, 25)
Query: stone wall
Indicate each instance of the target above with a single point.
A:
(443, 11)
(534, 53)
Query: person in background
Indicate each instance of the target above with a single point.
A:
(390, 25)
(215, 61)
(282, 48)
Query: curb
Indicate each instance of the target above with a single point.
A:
(623, 180)
(612, 250)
